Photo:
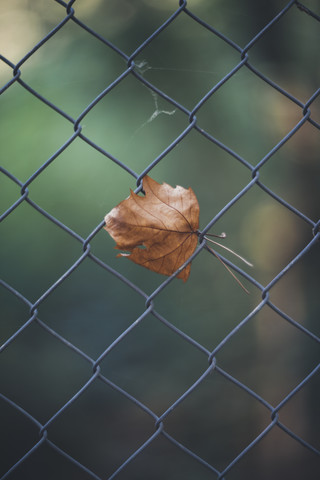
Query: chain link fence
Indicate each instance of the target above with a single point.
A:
(146, 439)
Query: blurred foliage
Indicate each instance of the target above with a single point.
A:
(92, 308)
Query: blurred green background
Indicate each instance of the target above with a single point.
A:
(92, 308)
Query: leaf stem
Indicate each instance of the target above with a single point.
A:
(222, 235)
(228, 269)
(229, 250)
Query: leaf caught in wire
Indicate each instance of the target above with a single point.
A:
(160, 229)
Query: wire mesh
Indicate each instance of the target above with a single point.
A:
(211, 368)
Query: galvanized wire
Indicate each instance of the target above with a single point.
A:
(192, 124)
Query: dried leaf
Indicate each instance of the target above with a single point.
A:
(158, 229)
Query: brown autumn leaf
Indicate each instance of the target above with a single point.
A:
(160, 229)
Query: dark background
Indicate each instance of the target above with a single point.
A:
(92, 308)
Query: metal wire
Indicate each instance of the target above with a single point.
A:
(210, 356)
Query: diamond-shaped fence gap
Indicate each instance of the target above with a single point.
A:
(297, 170)
(230, 17)
(90, 301)
(288, 296)
(174, 364)
(274, 343)
(283, 161)
(61, 78)
(39, 129)
(283, 285)
(277, 454)
(280, 53)
(127, 122)
(208, 322)
(237, 407)
(138, 20)
(198, 64)
(29, 380)
(113, 433)
(246, 97)
(28, 235)
(282, 114)
(270, 237)
(179, 465)
(89, 183)
(110, 20)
